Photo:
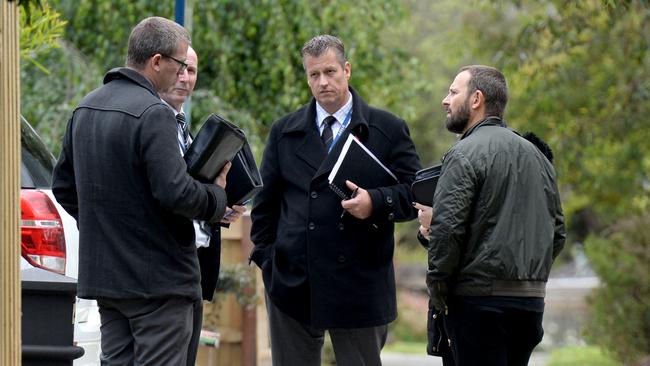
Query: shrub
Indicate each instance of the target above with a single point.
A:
(580, 356)
(620, 309)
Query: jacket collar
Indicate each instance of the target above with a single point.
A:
(131, 75)
(487, 121)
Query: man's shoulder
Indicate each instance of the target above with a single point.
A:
(122, 95)
(292, 121)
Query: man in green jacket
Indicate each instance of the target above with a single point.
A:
(497, 226)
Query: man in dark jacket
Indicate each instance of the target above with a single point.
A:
(323, 270)
(121, 176)
(497, 226)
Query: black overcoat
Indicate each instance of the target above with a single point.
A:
(121, 176)
(321, 269)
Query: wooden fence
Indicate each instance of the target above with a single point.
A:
(243, 332)
(9, 184)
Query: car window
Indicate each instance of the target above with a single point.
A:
(37, 162)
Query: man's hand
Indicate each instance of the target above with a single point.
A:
(438, 295)
(233, 214)
(359, 205)
(424, 217)
(220, 180)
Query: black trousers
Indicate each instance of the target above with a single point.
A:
(147, 331)
(489, 336)
(294, 343)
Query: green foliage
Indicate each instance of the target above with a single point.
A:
(249, 51)
(238, 279)
(47, 99)
(40, 27)
(414, 348)
(578, 74)
(620, 309)
(580, 356)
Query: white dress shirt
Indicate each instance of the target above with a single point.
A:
(201, 235)
(341, 115)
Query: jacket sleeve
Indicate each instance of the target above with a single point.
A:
(394, 203)
(457, 186)
(64, 185)
(169, 181)
(266, 205)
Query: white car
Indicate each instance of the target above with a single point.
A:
(49, 236)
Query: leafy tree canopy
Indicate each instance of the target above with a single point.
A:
(249, 51)
(579, 76)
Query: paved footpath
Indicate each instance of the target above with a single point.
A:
(399, 359)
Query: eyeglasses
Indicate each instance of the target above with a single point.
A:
(182, 64)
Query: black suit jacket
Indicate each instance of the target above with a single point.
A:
(319, 268)
(121, 176)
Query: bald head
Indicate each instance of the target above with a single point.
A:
(184, 86)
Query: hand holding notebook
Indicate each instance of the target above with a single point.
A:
(359, 165)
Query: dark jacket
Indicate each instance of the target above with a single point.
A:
(319, 268)
(210, 263)
(497, 223)
(121, 176)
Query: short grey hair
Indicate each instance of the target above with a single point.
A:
(318, 45)
(492, 84)
(154, 35)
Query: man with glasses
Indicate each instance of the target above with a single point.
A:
(121, 176)
(181, 64)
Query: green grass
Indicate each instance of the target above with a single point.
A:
(406, 347)
(580, 356)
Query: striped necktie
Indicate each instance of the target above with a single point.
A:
(327, 135)
(182, 123)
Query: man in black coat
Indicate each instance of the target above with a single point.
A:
(323, 270)
(121, 176)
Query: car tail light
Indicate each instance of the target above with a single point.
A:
(41, 231)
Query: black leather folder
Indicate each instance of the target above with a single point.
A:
(217, 143)
(244, 179)
(424, 185)
(359, 165)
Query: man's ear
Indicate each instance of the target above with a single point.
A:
(154, 61)
(477, 99)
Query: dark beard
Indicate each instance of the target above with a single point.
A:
(457, 122)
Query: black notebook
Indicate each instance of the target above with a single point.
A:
(217, 143)
(243, 180)
(424, 185)
(359, 165)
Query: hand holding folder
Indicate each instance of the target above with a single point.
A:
(218, 142)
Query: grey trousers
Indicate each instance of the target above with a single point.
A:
(146, 332)
(294, 343)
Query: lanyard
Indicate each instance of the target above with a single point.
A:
(344, 125)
